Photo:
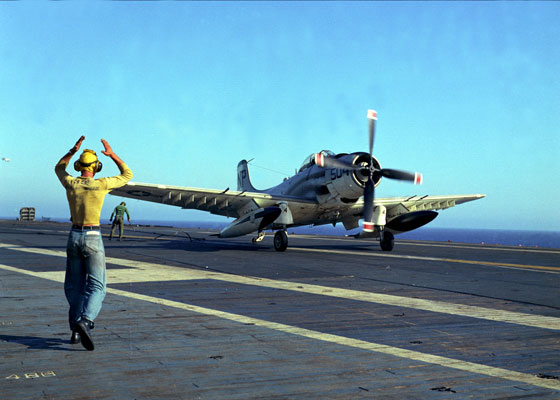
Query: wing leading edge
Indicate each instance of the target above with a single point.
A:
(229, 203)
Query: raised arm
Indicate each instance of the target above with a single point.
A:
(110, 153)
(66, 158)
(126, 174)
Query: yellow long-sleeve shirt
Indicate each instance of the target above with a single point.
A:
(86, 195)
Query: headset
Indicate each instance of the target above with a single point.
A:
(80, 166)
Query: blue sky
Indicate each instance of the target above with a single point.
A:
(467, 94)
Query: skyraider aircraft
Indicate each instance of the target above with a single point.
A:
(328, 188)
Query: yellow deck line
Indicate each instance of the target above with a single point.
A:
(438, 243)
(151, 272)
(474, 368)
(422, 258)
(491, 247)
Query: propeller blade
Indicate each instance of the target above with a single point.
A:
(372, 116)
(369, 195)
(415, 177)
(330, 162)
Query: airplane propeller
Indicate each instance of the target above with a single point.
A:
(369, 189)
(370, 171)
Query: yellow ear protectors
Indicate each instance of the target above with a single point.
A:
(88, 162)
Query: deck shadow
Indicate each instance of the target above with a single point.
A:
(39, 343)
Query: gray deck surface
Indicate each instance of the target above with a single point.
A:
(190, 316)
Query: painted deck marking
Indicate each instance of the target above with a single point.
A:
(31, 375)
(422, 258)
(151, 272)
(378, 254)
(458, 245)
(474, 368)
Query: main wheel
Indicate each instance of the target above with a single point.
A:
(280, 241)
(388, 241)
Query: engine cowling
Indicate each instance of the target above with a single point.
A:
(348, 184)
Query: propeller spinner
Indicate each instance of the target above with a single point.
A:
(370, 171)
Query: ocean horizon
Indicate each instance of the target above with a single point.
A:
(545, 239)
(507, 237)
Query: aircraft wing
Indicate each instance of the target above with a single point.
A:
(427, 203)
(402, 205)
(229, 203)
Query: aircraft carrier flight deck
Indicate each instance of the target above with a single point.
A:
(191, 316)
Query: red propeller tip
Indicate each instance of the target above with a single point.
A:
(372, 114)
(418, 178)
(368, 226)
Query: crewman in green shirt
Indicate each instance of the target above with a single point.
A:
(118, 214)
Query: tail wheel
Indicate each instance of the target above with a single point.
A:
(388, 241)
(280, 241)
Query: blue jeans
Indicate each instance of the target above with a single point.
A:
(84, 284)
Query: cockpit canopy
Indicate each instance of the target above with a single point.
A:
(310, 161)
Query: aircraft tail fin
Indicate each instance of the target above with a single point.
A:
(243, 179)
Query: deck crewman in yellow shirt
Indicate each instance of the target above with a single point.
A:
(84, 284)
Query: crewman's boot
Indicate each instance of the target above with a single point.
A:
(82, 327)
(75, 337)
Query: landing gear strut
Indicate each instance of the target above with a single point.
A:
(387, 241)
(259, 238)
(280, 241)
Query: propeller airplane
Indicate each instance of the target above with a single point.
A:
(327, 189)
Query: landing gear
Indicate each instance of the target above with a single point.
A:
(280, 241)
(259, 238)
(387, 241)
